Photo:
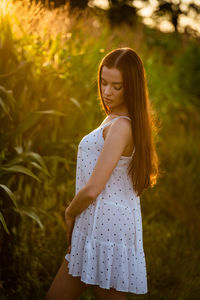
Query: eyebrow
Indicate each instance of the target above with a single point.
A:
(113, 82)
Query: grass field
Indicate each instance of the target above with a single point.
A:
(48, 102)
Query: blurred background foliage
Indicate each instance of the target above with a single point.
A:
(48, 101)
(129, 11)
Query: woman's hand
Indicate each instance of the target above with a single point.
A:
(69, 222)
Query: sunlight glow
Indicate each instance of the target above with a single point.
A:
(4, 7)
(145, 11)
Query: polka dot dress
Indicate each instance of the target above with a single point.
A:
(107, 242)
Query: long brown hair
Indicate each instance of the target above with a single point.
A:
(144, 164)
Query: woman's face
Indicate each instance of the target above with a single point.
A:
(112, 88)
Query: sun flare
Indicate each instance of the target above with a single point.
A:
(4, 7)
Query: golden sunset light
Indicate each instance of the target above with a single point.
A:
(146, 10)
(99, 149)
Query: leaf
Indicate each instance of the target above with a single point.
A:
(51, 112)
(21, 65)
(36, 165)
(39, 159)
(18, 149)
(28, 211)
(76, 102)
(23, 155)
(6, 100)
(26, 123)
(20, 169)
(4, 223)
(29, 121)
(10, 193)
(5, 108)
(15, 161)
(29, 157)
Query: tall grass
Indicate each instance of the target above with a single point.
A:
(48, 101)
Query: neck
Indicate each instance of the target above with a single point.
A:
(119, 113)
(120, 110)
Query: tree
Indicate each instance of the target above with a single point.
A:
(173, 9)
(122, 11)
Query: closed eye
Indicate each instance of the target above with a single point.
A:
(118, 88)
(103, 82)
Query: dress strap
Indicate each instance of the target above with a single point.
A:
(106, 124)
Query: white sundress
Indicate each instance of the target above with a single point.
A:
(107, 241)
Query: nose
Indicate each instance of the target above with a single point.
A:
(107, 90)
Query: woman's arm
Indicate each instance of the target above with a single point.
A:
(117, 139)
(80, 202)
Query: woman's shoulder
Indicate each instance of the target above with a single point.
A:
(122, 127)
(122, 124)
(115, 118)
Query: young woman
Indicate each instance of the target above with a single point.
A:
(115, 163)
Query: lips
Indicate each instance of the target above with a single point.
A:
(107, 100)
